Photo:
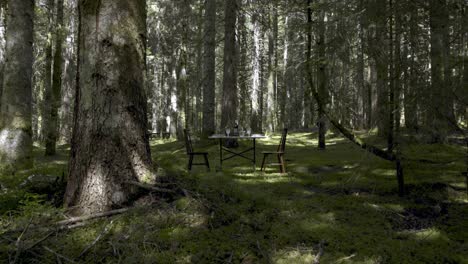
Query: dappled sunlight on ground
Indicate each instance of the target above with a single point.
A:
(341, 202)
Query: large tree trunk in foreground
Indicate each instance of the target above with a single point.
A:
(110, 145)
(229, 102)
(15, 114)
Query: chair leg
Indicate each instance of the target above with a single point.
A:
(190, 162)
(206, 161)
(283, 167)
(263, 162)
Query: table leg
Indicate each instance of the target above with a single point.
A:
(220, 154)
(254, 156)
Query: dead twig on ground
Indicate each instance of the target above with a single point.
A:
(18, 241)
(150, 187)
(320, 252)
(58, 255)
(103, 233)
(92, 216)
(39, 241)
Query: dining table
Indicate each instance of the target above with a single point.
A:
(241, 153)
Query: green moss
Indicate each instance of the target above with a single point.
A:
(343, 198)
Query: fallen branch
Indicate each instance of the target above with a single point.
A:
(18, 241)
(104, 232)
(39, 241)
(320, 252)
(150, 187)
(92, 216)
(58, 255)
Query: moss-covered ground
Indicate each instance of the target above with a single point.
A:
(339, 205)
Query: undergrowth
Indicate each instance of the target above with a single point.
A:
(334, 206)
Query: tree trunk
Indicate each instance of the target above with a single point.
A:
(69, 71)
(197, 122)
(361, 86)
(2, 44)
(16, 107)
(52, 129)
(378, 52)
(411, 100)
(322, 80)
(46, 104)
(110, 144)
(244, 72)
(209, 67)
(282, 93)
(229, 101)
(271, 85)
(440, 111)
(392, 76)
(255, 95)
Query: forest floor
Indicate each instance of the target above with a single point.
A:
(339, 205)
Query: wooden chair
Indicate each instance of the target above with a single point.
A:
(192, 154)
(279, 153)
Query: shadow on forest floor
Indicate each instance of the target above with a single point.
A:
(338, 205)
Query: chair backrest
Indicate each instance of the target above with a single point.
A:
(188, 141)
(282, 144)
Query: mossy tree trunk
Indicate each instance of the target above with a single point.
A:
(110, 144)
(16, 110)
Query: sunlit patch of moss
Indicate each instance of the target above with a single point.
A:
(426, 234)
(294, 255)
(384, 172)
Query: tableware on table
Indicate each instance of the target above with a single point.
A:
(249, 131)
(228, 131)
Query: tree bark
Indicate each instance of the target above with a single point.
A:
(391, 89)
(16, 107)
(255, 95)
(209, 68)
(439, 111)
(271, 85)
(110, 144)
(360, 82)
(244, 72)
(46, 104)
(69, 71)
(411, 100)
(53, 127)
(2, 44)
(229, 102)
(322, 80)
